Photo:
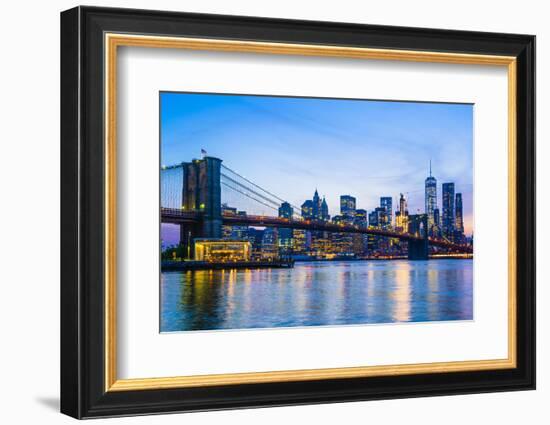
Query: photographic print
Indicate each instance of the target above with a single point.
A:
(281, 212)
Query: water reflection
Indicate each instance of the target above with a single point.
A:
(402, 293)
(317, 293)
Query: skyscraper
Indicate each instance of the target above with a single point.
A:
(317, 210)
(286, 210)
(361, 218)
(324, 215)
(402, 215)
(378, 218)
(448, 204)
(307, 209)
(360, 241)
(436, 229)
(459, 219)
(386, 203)
(270, 247)
(437, 218)
(316, 205)
(430, 198)
(347, 205)
(285, 234)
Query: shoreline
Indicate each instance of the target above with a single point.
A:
(178, 266)
(444, 257)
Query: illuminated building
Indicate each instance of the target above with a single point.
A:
(360, 218)
(227, 210)
(307, 209)
(254, 236)
(233, 232)
(436, 229)
(316, 206)
(377, 219)
(437, 217)
(459, 219)
(342, 243)
(386, 203)
(315, 209)
(285, 210)
(321, 245)
(347, 205)
(373, 219)
(430, 197)
(285, 234)
(402, 215)
(270, 247)
(448, 203)
(360, 241)
(307, 214)
(221, 250)
(302, 241)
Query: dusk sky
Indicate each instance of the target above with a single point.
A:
(291, 146)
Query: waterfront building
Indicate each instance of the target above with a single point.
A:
(321, 245)
(342, 243)
(302, 241)
(430, 198)
(270, 248)
(360, 241)
(221, 250)
(377, 219)
(347, 205)
(386, 204)
(255, 236)
(448, 204)
(285, 234)
(233, 232)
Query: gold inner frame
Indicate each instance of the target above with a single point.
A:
(113, 41)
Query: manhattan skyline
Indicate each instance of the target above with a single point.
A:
(367, 149)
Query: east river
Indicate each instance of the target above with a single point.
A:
(318, 293)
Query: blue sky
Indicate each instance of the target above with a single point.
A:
(291, 146)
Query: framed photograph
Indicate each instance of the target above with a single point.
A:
(261, 212)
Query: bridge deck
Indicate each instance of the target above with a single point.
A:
(175, 216)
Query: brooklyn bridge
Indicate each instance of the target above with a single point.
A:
(192, 194)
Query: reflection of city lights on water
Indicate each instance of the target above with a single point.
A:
(402, 293)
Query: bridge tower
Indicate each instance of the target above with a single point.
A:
(201, 193)
(418, 249)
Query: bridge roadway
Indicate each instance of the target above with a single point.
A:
(176, 216)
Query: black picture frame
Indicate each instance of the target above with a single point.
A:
(83, 392)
